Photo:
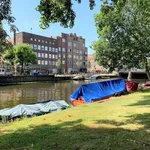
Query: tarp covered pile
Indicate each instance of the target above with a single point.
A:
(99, 90)
(38, 108)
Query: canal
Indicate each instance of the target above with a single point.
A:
(33, 92)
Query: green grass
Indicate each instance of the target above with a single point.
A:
(120, 123)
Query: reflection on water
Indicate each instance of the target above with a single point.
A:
(33, 92)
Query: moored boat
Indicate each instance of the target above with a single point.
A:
(95, 91)
(78, 78)
(38, 108)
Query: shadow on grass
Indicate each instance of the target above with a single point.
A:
(144, 101)
(141, 119)
(73, 135)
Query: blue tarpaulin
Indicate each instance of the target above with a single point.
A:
(99, 90)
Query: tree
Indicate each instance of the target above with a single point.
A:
(79, 64)
(21, 54)
(5, 11)
(5, 15)
(10, 56)
(54, 11)
(89, 65)
(123, 29)
(58, 65)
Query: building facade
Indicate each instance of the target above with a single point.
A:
(94, 67)
(67, 48)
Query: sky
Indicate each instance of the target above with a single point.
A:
(27, 17)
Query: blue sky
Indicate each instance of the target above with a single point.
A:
(27, 17)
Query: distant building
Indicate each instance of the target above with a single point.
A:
(94, 66)
(69, 48)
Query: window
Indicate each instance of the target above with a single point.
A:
(69, 44)
(42, 47)
(56, 50)
(63, 62)
(69, 50)
(64, 40)
(69, 56)
(53, 62)
(63, 55)
(34, 39)
(56, 57)
(53, 56)
(63, 49)
(45, 55)
(42, 62)
(45, 41)
(50, 56)
(35, 46)
(74, 44)
(83, 44)
(39, 62)
(50, 62)
(42, 41)
(31, 39)
(69, 62)
(39, 47)
(53, 43)
(38, 40)
(49, 48)
(59, 55)
(42, 55)
(49, 42)
(59, 48)
(39, 54)
(46, 48)
(46, 62)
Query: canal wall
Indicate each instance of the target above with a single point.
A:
(4, 80)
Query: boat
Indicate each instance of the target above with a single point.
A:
(78, 78)
(147, 83)
(96, 91)
(28, 110)
(92, 77)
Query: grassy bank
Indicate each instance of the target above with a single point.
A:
(120, 123)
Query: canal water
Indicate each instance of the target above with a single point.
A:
(34, 92)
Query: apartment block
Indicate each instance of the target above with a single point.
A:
(68, 48)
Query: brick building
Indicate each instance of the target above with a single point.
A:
(94, 66)
(69, 48)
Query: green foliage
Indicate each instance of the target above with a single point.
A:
(89, 64)
(21, 54)
(5, 11)
(79, 64)
(9, 55)
(54, 11)
(58, 63)
(5, 15)
(123, 29)
(4, 44)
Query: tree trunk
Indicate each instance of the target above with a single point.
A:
(147, 68)
(22, 68)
